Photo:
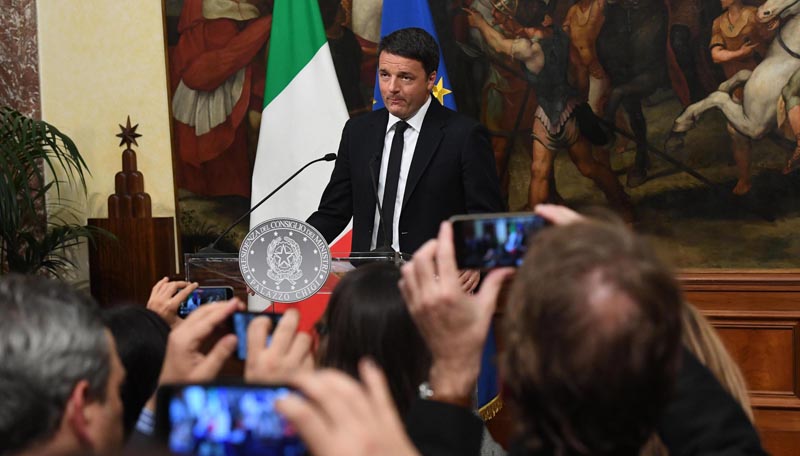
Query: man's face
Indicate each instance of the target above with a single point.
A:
(404, 85)
(107, 433)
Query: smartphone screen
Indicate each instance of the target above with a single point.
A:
(239, 323)
(223, 419)
(486, 241)
(204, 295)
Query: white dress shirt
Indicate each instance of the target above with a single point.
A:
(409, 145)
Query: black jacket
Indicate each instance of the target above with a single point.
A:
(452, 172)
(702, 419)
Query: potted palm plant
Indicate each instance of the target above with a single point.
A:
(30, 242)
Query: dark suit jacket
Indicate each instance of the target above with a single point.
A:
(700, 419)
(452, 172)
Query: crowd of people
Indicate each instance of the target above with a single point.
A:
(594, 360)
(601, 354)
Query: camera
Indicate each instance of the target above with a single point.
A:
(201, 419)
(203, 295)
(486, 241)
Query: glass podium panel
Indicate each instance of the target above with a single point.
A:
(222, 269)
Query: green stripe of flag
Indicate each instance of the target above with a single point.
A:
(297, 34)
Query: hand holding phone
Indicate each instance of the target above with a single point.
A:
(187, 357)
(167, 296)
(452, 323)
(288, 352)
(487, 241)
(239, 324)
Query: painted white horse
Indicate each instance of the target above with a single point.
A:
(757, 114)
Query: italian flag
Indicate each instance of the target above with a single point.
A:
(303, 116)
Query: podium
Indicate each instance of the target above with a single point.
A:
(222, 269)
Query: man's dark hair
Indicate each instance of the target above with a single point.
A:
(51, 337)
(593, 335)
(412, 43)
(141, 338)
(367, 316)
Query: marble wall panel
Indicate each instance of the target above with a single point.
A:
(19, 57)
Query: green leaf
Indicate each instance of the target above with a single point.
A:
(28, 147)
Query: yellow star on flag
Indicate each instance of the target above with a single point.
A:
(439, 91)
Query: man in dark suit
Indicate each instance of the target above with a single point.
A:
(441, 164)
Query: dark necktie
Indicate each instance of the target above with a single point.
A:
(392, 178)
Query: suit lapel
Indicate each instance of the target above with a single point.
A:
(427, 146)
(374, 147)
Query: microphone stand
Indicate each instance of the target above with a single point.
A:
(211, 248)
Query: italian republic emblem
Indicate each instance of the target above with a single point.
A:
(284, 260)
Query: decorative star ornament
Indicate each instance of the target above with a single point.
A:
(128, 135)
(439, 91)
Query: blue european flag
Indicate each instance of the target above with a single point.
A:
(398, 14)
(489, 403)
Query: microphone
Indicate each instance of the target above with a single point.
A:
(387, 248)
(211, 248)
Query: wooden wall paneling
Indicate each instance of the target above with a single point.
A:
(779, 429)
(765, 350)
(757, 315)
(124, 270)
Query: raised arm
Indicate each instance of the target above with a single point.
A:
(493, 38)
(529, 52)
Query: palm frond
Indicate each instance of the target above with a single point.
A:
(49, 252)
(27, 143)
(28, 147)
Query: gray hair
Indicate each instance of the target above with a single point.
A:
(51, 337)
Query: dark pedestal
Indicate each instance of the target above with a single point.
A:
(124, 270)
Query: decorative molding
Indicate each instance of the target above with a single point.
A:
(740, 280)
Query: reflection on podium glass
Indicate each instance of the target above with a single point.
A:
(218, 269)
(341, 265)
(222, 269)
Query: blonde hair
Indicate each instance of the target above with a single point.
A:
(704, 342)
(700, 337)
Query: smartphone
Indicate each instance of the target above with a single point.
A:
(204, 295)
(239, 322)
(205, 419)
(486, 241)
